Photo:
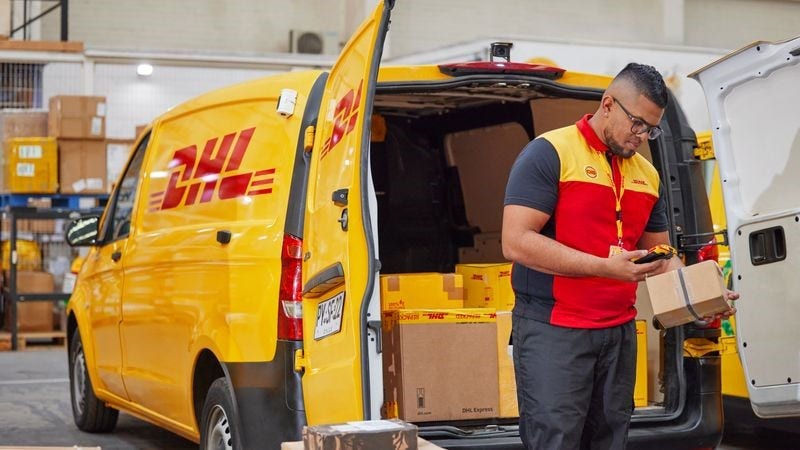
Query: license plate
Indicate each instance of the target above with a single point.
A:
(329, 317)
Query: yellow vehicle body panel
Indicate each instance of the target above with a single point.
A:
(335, 231)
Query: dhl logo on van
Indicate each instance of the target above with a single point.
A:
(345, 116)
(213, 174)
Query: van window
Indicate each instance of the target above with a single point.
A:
(119, 215)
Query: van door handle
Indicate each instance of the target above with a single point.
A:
(116, 256)
(327, 279)
(767, 246)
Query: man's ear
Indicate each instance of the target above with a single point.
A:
(605, 104)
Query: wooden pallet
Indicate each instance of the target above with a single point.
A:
(38, 340)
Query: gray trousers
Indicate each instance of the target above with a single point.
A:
(574, 386)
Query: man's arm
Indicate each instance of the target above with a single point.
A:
(523, 243)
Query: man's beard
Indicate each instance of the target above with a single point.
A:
(615, 148)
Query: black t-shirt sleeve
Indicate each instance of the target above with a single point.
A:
(533, 181)
(658, 215)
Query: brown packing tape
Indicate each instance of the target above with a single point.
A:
(393, 283)
(449, 285)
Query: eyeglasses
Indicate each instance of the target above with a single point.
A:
(638, 125)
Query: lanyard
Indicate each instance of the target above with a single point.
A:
(617, 194)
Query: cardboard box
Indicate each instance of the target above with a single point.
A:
(687, 294)
(640, 388)
(32, 315)
(487, 286)
(30, 165)
(82, 166)
(505, 367)
(440, 365)
(422, 444)
(77, 117)
(422, 290)
(117, 153)
(369, 434)
(487, 249)
(22, 123)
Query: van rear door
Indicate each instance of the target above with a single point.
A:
(753, 97)
(339, 249)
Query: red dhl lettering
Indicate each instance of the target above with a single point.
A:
(434, 315)
(505, 273)
(212, 175)
(642, 182)
(477, 276)
(345, 116)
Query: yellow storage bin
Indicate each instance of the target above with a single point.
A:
(30, 165)
(29, 256)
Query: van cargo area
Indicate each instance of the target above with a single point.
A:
(440, 158)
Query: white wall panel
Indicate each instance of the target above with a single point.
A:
(133, 100)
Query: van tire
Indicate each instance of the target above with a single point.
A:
(89, 412)
(219, 429)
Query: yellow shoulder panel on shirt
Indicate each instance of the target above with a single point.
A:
(579, 162)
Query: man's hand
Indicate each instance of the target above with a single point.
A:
(730, 296)
(622, 267)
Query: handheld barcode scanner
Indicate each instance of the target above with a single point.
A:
(661, 251)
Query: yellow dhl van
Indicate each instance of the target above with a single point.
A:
(231, 293)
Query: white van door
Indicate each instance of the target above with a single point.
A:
(339, 264)
(753, 98)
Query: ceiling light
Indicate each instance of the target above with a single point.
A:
(144, 70)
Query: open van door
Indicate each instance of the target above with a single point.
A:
(753, 97)
(340, 265)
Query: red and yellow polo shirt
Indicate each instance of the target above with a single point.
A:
(568, 174)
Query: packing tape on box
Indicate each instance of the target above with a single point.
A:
(686, 297)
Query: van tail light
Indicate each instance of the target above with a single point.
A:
(709, 251)
(290, 297)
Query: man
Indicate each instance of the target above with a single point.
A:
(580, 205)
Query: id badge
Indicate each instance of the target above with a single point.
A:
(614, 250)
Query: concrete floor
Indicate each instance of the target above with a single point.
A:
(35, 411)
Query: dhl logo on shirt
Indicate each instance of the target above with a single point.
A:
(213, 174)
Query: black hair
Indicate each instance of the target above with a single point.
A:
(647, 81)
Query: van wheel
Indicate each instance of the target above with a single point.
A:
(219, 430)
(90, 413)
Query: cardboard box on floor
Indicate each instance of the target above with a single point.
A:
(421, 290)
(487, 286)
(422, 444)
(77, 117)
(368, 434)
(423, 350)
(82, 166)
(687, 294)
(32, 315)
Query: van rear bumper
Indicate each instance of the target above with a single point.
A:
(269, 399)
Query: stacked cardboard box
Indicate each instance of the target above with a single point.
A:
(440, 364)
(487, 286)
(79, 124)
(32, 315)
(29, 165)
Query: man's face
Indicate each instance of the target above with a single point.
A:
(631, 119)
